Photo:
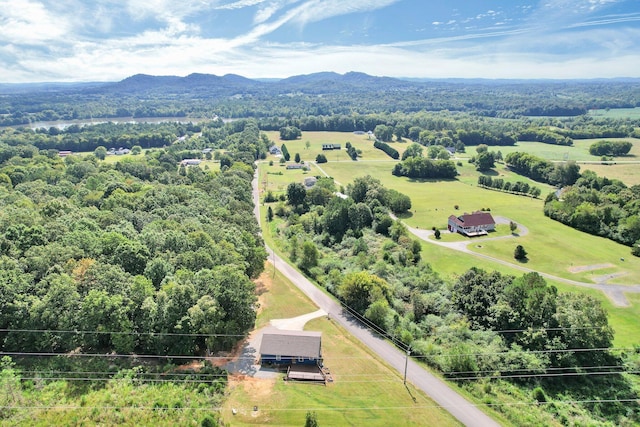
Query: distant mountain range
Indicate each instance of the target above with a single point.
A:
(230, 84)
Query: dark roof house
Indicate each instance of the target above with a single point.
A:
(274, 150)
(291, 347)
(474, 224)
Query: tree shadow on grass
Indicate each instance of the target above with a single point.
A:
(405, 215)
(490, 172)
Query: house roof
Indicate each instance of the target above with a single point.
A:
(474, 219)
(291, 343)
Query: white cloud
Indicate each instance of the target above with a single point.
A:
(166, 39)
(29, 22)
(318, 10)
(239, 4)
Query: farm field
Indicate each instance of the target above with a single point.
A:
(629, 173)
(316, 139)
(365, 391)
(579, 151)
(616, 113)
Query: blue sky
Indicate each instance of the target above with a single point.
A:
(107, 40)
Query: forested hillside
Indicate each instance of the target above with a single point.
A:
(138, 259)
(321, 94)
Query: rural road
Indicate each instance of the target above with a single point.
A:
(463, 410)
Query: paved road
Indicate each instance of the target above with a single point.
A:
(467, 413)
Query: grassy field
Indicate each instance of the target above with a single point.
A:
(365, 391)
(629, 173)
(616, 113)
(553, 248)
(316, 139)
(579, 151)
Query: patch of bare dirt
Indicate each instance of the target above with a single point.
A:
(263, 285)
(583, 268)
(256, 387)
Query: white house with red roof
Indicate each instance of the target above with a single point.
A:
(478, 223)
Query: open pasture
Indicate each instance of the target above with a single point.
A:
(629, 173)
(316, 139)
(616, 113)
(553, 247)
(579, 151)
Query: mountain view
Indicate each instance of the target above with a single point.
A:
(320, 213)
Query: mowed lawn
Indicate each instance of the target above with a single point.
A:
(365, 390)
(616, 113)
(316, 139)
(553, 247)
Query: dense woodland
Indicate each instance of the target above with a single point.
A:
(599, 206)
(321, 94)
(133, 257)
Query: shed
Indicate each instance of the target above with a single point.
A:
(283, 347)
(191, 162)
(310, 181)
(275, 150)
(478, 223)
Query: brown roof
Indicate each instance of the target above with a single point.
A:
(475, 219)
(291, 343)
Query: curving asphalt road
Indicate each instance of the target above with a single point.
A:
(463, 410)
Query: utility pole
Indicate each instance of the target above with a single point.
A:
(406, 363)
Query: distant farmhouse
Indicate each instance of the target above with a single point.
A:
(191, 162)
(119, 152)
(331, 147)
(474, 224)
(295, 166)
(64, 153)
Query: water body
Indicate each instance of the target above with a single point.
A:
(61, 124)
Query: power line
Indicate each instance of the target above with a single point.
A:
(196, 357)
(172, 334)
(318, 408)
(545, 375)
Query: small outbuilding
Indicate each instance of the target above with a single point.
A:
(283, 347)
(274, 150)
(191, 162)
(310, 181)
(478, 223)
